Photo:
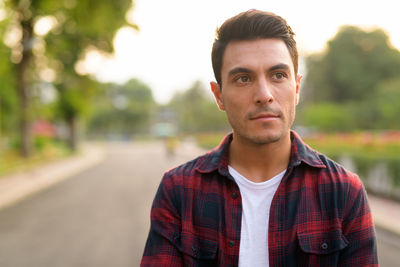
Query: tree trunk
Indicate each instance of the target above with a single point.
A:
(73, 134)
(22, 69)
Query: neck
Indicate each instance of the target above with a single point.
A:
(259, 162)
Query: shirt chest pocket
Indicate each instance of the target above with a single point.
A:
(196, 250)
(321, 248)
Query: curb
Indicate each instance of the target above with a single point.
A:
(386, 213)
(16, 187)
(384, 225)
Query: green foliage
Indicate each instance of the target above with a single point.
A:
(196, 111)
(352, 66)
(78, 26)
(82, 25)
(354, 83)
(356, 145)
(8, 96)
(46, 150)
(388, 104)
(122, 110)
(328, 117)
(73, 100)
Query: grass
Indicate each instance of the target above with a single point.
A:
(11, 161)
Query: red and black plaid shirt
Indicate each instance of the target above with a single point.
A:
(319, 215)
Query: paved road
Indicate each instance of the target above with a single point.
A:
(388, 249)
(101, 216)
(97, 218)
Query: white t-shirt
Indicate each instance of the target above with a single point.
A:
(256, 203)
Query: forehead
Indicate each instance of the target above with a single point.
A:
(254, 54)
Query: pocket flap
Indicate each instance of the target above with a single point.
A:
(196, 247)
(322, 242)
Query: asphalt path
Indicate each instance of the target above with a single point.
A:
(100, 217)
(388, 248)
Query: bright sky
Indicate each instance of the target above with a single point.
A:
(173, 47)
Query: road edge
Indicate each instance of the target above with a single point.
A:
(16, 187)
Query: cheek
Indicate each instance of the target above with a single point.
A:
(237, 105)
(288, 93)
(287, 101)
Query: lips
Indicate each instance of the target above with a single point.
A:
(264, 116)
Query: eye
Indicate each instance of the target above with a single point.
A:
(242, 79)
(279, 75)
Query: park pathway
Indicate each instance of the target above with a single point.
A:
(100, 217)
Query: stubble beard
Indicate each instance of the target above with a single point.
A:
(262, 139)
(269, 135)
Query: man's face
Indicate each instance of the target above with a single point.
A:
(259, 90)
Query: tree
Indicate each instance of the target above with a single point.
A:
(352, 84)
(329, 117)
(122, 110)
(8, 95)
(196, 111)
(351, 67)
(23, 21)
(75, 27)
(386, 105)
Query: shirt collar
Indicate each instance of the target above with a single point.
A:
(217, 159)
(301, 152)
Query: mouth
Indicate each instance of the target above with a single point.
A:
(265, 116)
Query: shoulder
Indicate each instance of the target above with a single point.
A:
(175, 182)
(187, 170)
(338, 176)
(336, 169)
(339, 190)
(321, 171)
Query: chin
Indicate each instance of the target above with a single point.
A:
(267, 138)
(266, 134)
(264, 140)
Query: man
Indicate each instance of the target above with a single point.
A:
(262, 197)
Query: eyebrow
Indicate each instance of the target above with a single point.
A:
(237, 70)
(281, 66)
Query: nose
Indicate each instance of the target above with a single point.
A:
(263, 93)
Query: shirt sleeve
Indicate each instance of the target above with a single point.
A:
(359, 229)
(161, 245)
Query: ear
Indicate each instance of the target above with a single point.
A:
(298, 80)
(216, 90)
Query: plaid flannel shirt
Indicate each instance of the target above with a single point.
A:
(319, 214)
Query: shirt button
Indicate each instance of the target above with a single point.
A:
(194, 250)
(231, 243)
(324, 246)
(234, 195)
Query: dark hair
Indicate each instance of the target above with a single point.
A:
(251, 25)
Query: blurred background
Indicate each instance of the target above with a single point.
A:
(121, 87)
